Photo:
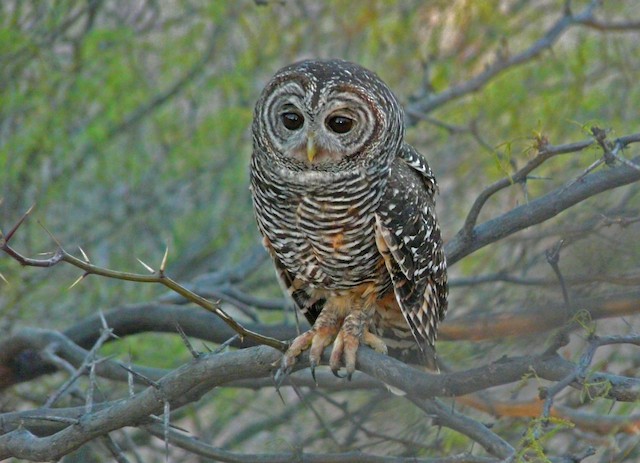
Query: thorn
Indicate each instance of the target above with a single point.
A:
(103, 321)
(163, 264)
(156, 418)
(146, 266)
(206, 346)
(226, 344)
(50, 234)
(143, 378)
(9, 235)
(80, 278)
(278, 379)
(105, 325)
(3, 278)
(194, 353)
(84, 255)
(166, 424)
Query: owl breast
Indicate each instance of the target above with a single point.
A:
(321, 231)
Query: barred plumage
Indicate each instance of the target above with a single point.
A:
(346, 209)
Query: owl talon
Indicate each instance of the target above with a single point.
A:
(312, 367)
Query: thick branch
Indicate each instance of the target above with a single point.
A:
(20, 358)
(485, 324)
(189, 382)
(183, 385)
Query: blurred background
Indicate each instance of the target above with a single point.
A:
(127, 125)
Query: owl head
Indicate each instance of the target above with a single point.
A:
(327, 115)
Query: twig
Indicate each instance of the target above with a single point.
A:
(81, 370)
(553, 257)
(185, 340)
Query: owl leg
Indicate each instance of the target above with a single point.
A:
(354, 331)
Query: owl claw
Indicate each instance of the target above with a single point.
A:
(345, 348)
(312, 367)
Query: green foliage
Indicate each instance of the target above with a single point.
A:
(531, 448)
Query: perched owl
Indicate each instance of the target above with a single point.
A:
(346, 209)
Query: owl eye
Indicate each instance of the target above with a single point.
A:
(339, 124)
(292, 121)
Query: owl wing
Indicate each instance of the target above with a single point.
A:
(408, 237)
(310, 307)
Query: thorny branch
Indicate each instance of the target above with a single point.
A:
(157, 276)
(198, 447)
(545, 152)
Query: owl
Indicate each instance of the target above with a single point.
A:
(346, 210)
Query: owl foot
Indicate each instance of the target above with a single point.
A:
(316, 339)
(346, 334)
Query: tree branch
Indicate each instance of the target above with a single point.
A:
(540, 209)
(189, 382)
(431, 102)
(157, 276)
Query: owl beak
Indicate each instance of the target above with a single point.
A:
(311, 147)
